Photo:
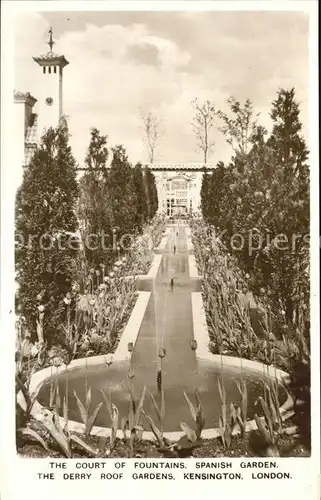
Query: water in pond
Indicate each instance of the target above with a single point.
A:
(113, 380)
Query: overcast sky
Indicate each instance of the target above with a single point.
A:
(160, 61)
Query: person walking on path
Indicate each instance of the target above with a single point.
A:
(172, 276)
(175, 242)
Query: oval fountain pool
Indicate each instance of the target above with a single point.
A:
(113, 380)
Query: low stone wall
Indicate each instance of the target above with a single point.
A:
(152, 273)
(190, 246)
(193, 272)
(163, 242)
(257, 368)
(132, 328)
(200, 326)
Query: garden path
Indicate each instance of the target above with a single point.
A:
(168, 321)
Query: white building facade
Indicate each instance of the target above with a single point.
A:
(26, 126)
(179, 187)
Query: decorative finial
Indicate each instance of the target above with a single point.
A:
(51, 42)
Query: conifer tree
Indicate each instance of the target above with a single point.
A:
(151, 192)
(216, 192)
(286, 168)
(205, 195)
(94, 209)
(121, 192)
(286, 140)
(45, 230)
(141, 209)
(289, 184)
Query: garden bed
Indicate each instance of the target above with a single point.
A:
(248, 446)
(252, 328)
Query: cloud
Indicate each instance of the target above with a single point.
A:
(144, 54)
(123, 62)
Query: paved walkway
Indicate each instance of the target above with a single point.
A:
(168, 318)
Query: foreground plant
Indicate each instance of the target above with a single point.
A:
(50, 423)
(196, 413)
(266, 430)
(271, 398)
(29, 398)
(84, 411)
(158, 432)
(114, 419)
(25, 398)
(24, 410)
(226, 424)
(131, 423)
(241, 411)
(62, 437)
(192, 437)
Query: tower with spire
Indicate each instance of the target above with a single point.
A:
(50, 97)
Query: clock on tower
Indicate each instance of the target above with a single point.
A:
(50, 100)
